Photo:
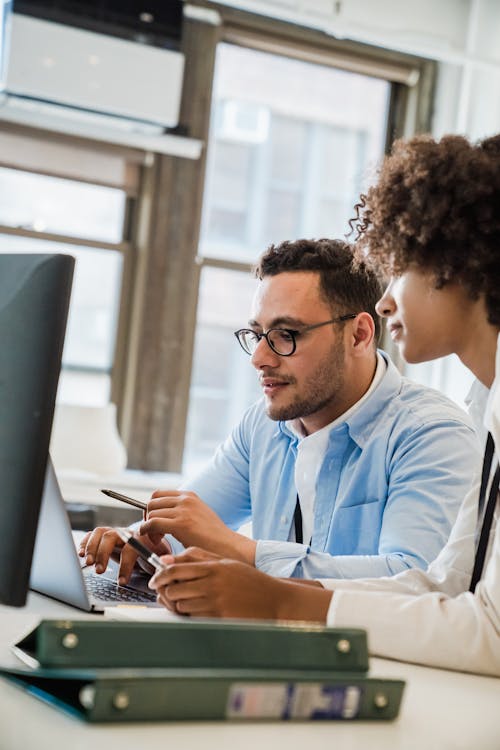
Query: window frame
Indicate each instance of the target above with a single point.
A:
(410, 104)
(31, 150)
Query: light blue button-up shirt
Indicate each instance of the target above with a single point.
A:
(387, 493)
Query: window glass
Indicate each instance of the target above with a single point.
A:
(282, 215)
(288, 150)
(224, 382)
(342, 162)
(285, 135)
(91, 330)
(291, 146)
(232, 174)
(59, 206)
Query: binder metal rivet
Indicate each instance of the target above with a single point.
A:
(380, 700)
(344, 646)
(87, 696)
(70, 640)
(121, 701)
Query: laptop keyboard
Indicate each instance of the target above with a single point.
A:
(106, 589)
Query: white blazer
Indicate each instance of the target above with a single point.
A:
(430, 617)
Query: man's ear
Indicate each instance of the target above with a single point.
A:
(362, 334)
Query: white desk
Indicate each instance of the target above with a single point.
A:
(441, 711)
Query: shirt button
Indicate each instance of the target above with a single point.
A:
(284, 519)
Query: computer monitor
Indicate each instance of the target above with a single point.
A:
(34, 299)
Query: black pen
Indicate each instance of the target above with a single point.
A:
(126, 499)
(146, 554)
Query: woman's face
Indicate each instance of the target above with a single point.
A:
(424, 322)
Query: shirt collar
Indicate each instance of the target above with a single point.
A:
(360, 424)
(385, 384)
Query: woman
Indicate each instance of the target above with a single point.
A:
(432, 221)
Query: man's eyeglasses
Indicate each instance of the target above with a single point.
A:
(283, 341)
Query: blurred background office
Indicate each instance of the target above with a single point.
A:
(166, 144)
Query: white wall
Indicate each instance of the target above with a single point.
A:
(462, 35)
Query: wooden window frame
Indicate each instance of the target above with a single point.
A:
(154, 406)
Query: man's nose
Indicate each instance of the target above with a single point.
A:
(264, 356)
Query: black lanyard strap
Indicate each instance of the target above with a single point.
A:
(485, 515)
(297, 522)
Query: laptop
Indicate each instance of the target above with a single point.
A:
(58, 571)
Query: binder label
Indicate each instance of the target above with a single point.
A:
(292, 701)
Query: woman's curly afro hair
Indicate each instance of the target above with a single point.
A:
(436, 207)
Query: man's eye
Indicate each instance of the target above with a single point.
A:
(282, 335)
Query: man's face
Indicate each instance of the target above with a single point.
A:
(309, 384)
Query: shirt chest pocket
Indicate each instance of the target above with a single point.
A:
(356, 529)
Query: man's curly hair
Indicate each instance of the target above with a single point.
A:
(436, 207)
(348, 284)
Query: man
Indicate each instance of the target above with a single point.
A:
(345, 468)
(442, 299)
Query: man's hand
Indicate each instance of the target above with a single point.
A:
(184, 515)
(205, 585)
(98, 545)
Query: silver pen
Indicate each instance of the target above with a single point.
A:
(146, 554)
(126, 499)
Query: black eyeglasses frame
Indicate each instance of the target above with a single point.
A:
(293, 333)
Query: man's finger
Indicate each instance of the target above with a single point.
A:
(128, 559)
(93, 542)
(158, 544)
(108, 541)
(164, 512)
(83, 544)
(164, 498)
(156, 527)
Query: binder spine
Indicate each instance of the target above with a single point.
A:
(212, 695)
(293, 699)
(86, 643)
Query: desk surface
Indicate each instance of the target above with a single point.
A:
(83, 487)
(441, 710)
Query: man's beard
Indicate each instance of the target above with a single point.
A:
(321, 390)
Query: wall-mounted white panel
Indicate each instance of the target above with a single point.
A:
(78, 68)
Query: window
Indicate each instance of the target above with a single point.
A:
(42, 213)
(290, 148)
(292, 140)
(92, 321)
(221, 390)
(59, 206)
